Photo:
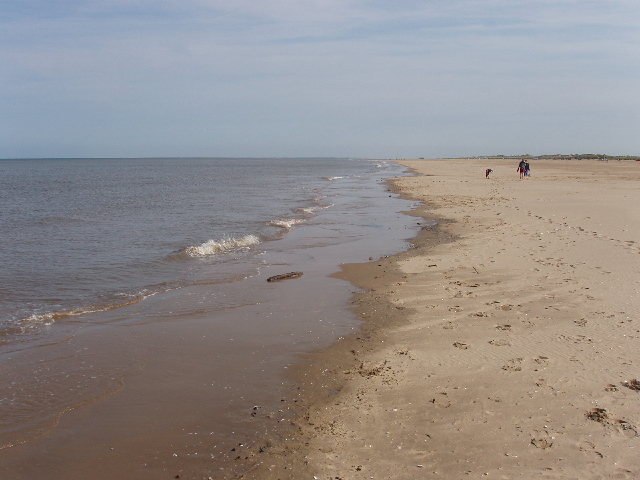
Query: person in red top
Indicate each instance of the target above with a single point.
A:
(487, 172)
(522, 167)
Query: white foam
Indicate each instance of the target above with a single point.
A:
(287, 223)
(215, 247)
(45, 319)
(309, 210)
(49, 318)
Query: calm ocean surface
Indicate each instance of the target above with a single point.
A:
(83, 235)
(131, 283)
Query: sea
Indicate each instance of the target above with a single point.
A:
(138, 285)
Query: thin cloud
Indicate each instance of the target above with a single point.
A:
(239, 76)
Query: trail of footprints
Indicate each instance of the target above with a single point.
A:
(628, 244)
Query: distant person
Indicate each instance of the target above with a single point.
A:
(487, 172)
(522, 168)
(526, 169)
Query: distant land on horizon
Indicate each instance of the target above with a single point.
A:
(561, 156)
(557, 156)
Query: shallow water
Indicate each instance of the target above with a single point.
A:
(81, 235)
(173, 371)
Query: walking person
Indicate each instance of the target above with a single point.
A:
(487, 172)
(521, 168)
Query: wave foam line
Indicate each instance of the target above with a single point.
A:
(215, 247)
(49, 318)
(287, 223)
(309, 210)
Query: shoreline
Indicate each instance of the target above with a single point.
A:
(501, 343)
(197, 373)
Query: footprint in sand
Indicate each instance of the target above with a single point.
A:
(603, 417)
(591, 447)
(632, 384)
(540, 360)
(575, 338)
(541, 442)
(625, 428)
(599, 415)
(440, 403)
(513, 365)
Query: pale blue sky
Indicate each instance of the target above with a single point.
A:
(379, 78)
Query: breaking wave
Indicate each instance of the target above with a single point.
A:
(215, 247)
(286, 223)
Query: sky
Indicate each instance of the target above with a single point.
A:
(328, 78)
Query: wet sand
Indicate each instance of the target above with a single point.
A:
(503, 344)
(182, 383)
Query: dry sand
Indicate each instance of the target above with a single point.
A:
(503, 345)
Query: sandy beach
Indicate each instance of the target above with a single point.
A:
(504, 344)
